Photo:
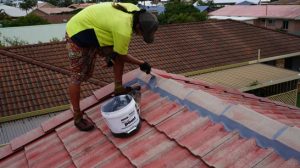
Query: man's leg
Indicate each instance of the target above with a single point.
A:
(82, 64)
(74, 91)
(81, 123)
(118, 73)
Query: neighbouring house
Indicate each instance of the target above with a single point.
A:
(221, 3)
(80, 5)
(187, 49)
(54, 14)
(185, 123)
(155, 9)
(13, 11)
(277, 17)
(286, 2)
(258, 79)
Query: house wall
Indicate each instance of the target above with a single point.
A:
(293, 27)
(280, 63)
(39, 13)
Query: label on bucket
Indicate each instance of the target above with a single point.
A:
(129, 120)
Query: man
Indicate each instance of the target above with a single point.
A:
(104, 29)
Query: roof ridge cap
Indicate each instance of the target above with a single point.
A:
(228, 90)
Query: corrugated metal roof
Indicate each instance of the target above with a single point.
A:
(262, 11)
(186, 123)
(13, 11)
(12, 129)
(244, 77)
(35, 34)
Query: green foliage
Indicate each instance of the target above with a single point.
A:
(64, 3)
(28, 20)
(6, 41)
(3, 15)
(28, 4)
(178, 12)
(209, 3)
(55, 39)
(131, 1)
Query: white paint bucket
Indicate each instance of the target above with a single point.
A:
(121, 114)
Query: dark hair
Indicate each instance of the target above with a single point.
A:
(136, 14)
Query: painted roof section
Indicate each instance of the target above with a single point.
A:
(42, 33)
(242, 78)
(198, 127)
(262, 11)
(28, 85)
(13, 11)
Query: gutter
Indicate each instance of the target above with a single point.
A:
(259, 60)
(34, 113)
(269, 83)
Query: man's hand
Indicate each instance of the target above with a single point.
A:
(145, 67)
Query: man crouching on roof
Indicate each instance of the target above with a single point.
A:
(104, 29)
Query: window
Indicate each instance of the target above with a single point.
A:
(285, 25)
(271, 22)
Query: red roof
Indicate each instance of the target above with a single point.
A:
(263, 11)
(185, 123)
(29, 85)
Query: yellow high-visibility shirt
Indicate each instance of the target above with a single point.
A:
(112, 27)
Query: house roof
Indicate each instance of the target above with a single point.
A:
(28, 85)
(286, 2)
(185, 123)
(232, 1)
(262, 11)
(55, 10)
(242, 78)
(179, 48)
(199, 42)
(13, 11)
(80, 6)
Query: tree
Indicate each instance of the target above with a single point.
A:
(64, 3)
(209, 3)
(28, 4)
(27, 20)
(179, 12)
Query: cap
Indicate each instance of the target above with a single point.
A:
(148, 25)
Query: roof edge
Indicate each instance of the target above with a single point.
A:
(34, 113)
(294, 77)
